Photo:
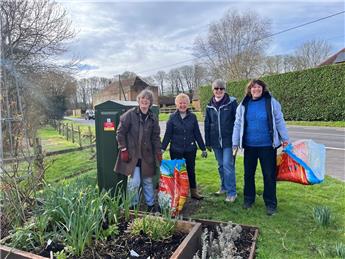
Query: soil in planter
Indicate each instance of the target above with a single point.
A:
(121, 245)
(243, 244)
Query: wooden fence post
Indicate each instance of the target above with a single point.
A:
(59, 126)
(90, 136)
(79, 134)
(67, 131)
(39, 161)
(72, 135)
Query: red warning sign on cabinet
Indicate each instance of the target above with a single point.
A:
(109, 126)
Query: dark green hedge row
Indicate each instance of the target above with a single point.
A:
(316, 94)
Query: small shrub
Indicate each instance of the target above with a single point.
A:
(156, 228)
(222, 247)
(340, 250)
(322, 216)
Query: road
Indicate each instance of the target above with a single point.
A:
(332, 138)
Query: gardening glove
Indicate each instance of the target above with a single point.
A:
(204, 154)
(209, 149)
(159, 157)
(234, 150)
(124, 155)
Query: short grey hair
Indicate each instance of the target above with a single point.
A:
(146, 93)
(218, 83)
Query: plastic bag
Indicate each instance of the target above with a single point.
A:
(173, 185)
(302, 162)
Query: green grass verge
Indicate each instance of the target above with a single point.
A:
(52, 141)
(292, 232)
(165, 116)
(318, 123)
(83, 128)
(71, 164)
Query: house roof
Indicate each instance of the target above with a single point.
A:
(338, 57)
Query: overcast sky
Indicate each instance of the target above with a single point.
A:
(146, 36)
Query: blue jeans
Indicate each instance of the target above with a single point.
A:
(133, 186)
(226, 169)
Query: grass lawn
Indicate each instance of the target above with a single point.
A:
(52, 141)
(291, 233)
(165, 116)
(318, 123)
(83, 128)
(70, 164)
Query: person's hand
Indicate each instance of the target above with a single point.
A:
(285, 143)
(204, 154)
(159, 157)
(209, 149)
(124, 155)
(234, 150)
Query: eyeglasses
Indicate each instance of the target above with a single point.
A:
(218, 88)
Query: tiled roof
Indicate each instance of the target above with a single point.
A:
(338, 57)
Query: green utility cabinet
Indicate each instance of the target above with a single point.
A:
(107, 120)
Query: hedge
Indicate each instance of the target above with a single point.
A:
(316, 94)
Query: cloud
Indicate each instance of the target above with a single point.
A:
(115, 36)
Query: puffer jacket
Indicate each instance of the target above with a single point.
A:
(183, 134)
(277, 127)
(219, 123)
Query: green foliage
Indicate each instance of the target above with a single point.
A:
(292, 232)
(31, 235)
(315, 94)
(322, 215)
(318, 123)
(340, 250)
(60, 255)
(156, 228)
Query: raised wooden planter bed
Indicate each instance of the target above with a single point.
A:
(253, 229)
(185, 250)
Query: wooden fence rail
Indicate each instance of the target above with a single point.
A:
(74, 134)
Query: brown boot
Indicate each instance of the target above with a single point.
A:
(195, 195)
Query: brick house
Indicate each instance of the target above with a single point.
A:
(131, 88)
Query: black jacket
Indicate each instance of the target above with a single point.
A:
(219, 124)
(182, 134)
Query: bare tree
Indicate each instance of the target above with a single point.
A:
(200, 75)
(187, 73)
(278, 64)
(161, 77)
(235, 45)
(311, 53)
(175, 80)
(32, 31)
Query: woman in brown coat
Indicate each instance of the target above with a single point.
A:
(139, 144)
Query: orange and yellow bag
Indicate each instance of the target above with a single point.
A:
(173, 185)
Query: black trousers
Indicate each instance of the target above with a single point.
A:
(190, 164)
(267, 157)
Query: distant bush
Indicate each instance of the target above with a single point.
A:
(316, 94)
